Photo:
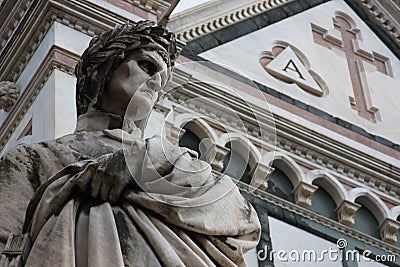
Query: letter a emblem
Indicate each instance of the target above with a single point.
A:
(292, 67)
(287, 66)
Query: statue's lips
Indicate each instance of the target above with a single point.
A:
(148, 92)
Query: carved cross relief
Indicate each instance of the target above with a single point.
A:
(355, 57)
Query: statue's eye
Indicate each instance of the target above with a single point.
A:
(148, 67)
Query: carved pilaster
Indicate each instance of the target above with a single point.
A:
(218, 162)
(388, 230)
(303, 194)
(346, 212)
(259, 175)
(9, 93)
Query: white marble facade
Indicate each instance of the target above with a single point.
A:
(329, 64)
(52, 114)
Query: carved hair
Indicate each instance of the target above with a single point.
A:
(108, 50)
(9, 93)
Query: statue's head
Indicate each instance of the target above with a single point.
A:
(132, 61)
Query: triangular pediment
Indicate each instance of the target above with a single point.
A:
(328, 58)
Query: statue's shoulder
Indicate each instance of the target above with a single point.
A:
(88, 144)
(56, 152)
(64, 150)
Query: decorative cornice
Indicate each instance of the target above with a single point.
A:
(207, 36)
(217, 15)
(383, 21)
(384, 13)
(13, 58)
(156, 7)
(320, 219)
(15, 14)
(12, 19)
(25, 28)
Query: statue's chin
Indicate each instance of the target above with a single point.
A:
(139, 107)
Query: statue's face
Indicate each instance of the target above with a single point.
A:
(139, 79)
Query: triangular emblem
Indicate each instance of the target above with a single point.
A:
(288, 67)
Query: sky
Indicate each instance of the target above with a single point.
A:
(186, 4)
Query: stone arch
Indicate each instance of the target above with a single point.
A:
(243, 146)
(329, 183)
(286, 164)
(370, 200)
(202, 128)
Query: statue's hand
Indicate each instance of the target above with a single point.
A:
(105, 178)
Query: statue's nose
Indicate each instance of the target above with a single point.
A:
(154, 82)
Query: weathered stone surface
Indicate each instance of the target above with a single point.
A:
(9, 93)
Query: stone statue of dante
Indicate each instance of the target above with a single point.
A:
(103, 196)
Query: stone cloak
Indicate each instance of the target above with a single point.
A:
(207, 224)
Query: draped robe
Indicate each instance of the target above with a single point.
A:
(180, 215)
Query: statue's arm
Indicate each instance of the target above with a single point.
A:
(107, 176)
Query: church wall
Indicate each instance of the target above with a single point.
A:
(54, 113)
(49, 75)
(329, 63)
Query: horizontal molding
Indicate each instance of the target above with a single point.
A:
(215, 15)
(383, 17)
(156, 7)
(22, 35)
(207, 36)
(384, 26)
(288, 206)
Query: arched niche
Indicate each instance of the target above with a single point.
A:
(285, 164)
(280, 185)
(329, 183)
(365, 221)
(369, 199)
(236, 162)
(198, 136)
(323, 203)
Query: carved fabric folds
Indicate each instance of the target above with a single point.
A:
(68, 230)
